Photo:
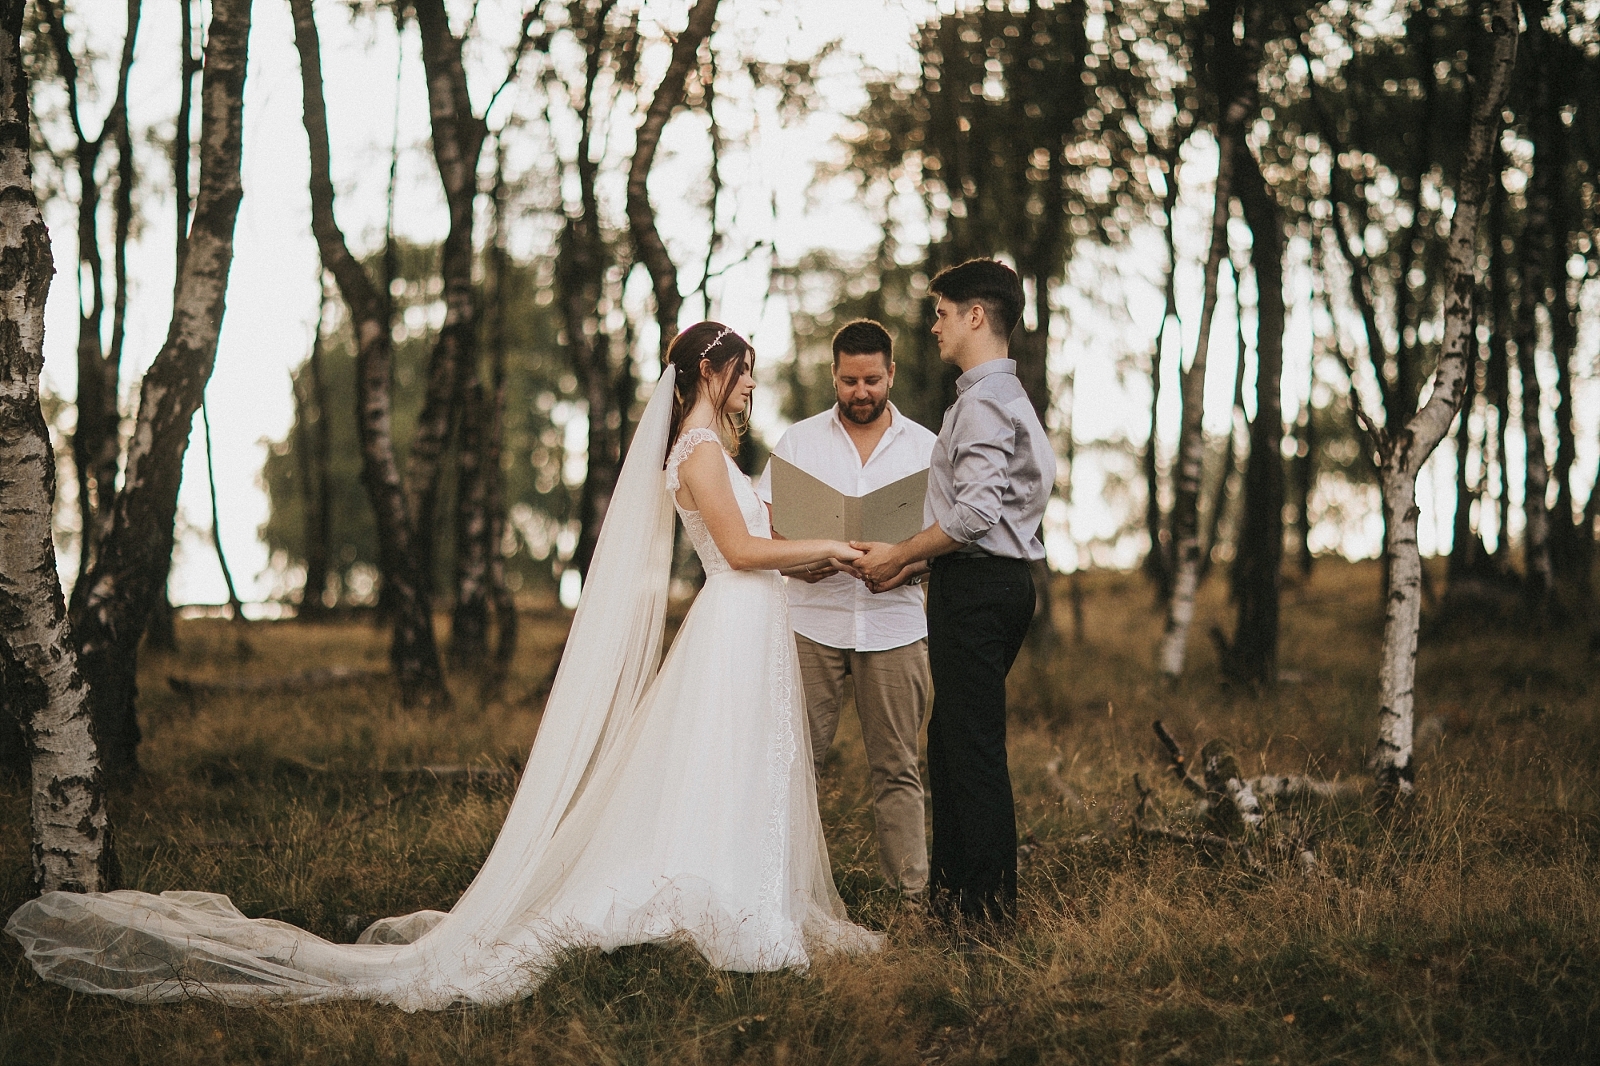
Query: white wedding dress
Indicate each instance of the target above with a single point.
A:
(656, 805)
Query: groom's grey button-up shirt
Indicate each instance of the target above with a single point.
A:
(993, 467)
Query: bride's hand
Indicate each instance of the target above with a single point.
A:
(842, 556)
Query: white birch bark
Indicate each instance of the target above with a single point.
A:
(71, 837)
(1408, 449)
(1191, 444)
(132, 565)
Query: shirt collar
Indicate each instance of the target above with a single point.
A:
(983, 370)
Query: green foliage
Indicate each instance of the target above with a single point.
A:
(539, 401)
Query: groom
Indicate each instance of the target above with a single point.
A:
(991, 475)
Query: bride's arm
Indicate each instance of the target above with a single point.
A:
(704, 478)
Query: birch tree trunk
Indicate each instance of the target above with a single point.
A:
(1467, 556)
(1191, 445)
(1158, 562)
(72, 844)
(1258, 561)
(96, 444)
(133, 559)
(1409, 447)
(413, 651)
(1538, 577)
(457, 140)
(648, 245)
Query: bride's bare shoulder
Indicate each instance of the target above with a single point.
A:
(690, 452)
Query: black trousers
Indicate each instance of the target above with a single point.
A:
(979, 608)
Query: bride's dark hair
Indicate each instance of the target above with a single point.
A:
(724, 349)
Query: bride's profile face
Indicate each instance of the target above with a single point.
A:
(738, 395)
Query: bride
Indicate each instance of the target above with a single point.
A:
(656, 804)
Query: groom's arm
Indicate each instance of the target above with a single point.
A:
(883, 563)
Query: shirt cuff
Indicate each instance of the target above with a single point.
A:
(959, 534)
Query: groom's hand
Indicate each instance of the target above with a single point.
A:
(906, 574)
(880, 565)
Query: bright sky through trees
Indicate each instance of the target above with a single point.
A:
(776, 191)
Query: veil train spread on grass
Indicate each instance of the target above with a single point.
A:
(656, 804)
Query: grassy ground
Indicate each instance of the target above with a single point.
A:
(1464, 931)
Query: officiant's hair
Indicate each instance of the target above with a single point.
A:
(723, 347)
(984, 281)
(863, 337)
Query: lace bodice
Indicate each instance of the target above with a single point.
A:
(750, 505)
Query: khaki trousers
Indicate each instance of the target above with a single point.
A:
(891, 689)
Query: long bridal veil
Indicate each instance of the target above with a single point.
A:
(486, 949)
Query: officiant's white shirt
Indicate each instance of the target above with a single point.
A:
(839, 611)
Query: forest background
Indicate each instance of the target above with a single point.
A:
(1289, 267)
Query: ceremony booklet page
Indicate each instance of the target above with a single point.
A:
(805, 507)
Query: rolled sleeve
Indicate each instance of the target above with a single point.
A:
(979, 465)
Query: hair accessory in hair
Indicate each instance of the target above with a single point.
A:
(714, 342)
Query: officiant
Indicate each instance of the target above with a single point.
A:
(841, 628)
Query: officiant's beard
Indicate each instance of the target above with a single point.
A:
(863, 414)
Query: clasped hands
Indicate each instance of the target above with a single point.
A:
(880, 567)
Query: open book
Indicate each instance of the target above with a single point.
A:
(804, 507)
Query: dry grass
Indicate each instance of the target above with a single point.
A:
(1464, 931)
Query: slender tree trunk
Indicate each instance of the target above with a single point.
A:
(235, 607)
(188, 67)
(72, 845)
(1031, 349)
(1564, 344)
(582, 259)
(1408, 447)
(1538, 577)
(133, 558)
(314, 449)
(1158, 561)
(1258, 561)
(1497, 370)
(1223, 497)
(649, 248)
(469, 630)
(96, 443)
(1467, 556)
(161, 631)
(457, 143)
(1572, 538)
(1304, 467)
(413, 652)
(1191, 444)
(498, 260)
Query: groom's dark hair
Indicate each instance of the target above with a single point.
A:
(984, 281)
(863, 337)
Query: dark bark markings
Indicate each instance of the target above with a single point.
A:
(72, 845)
(1253, 652)
(413, 652)
(1408, 447)
(132, 561)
